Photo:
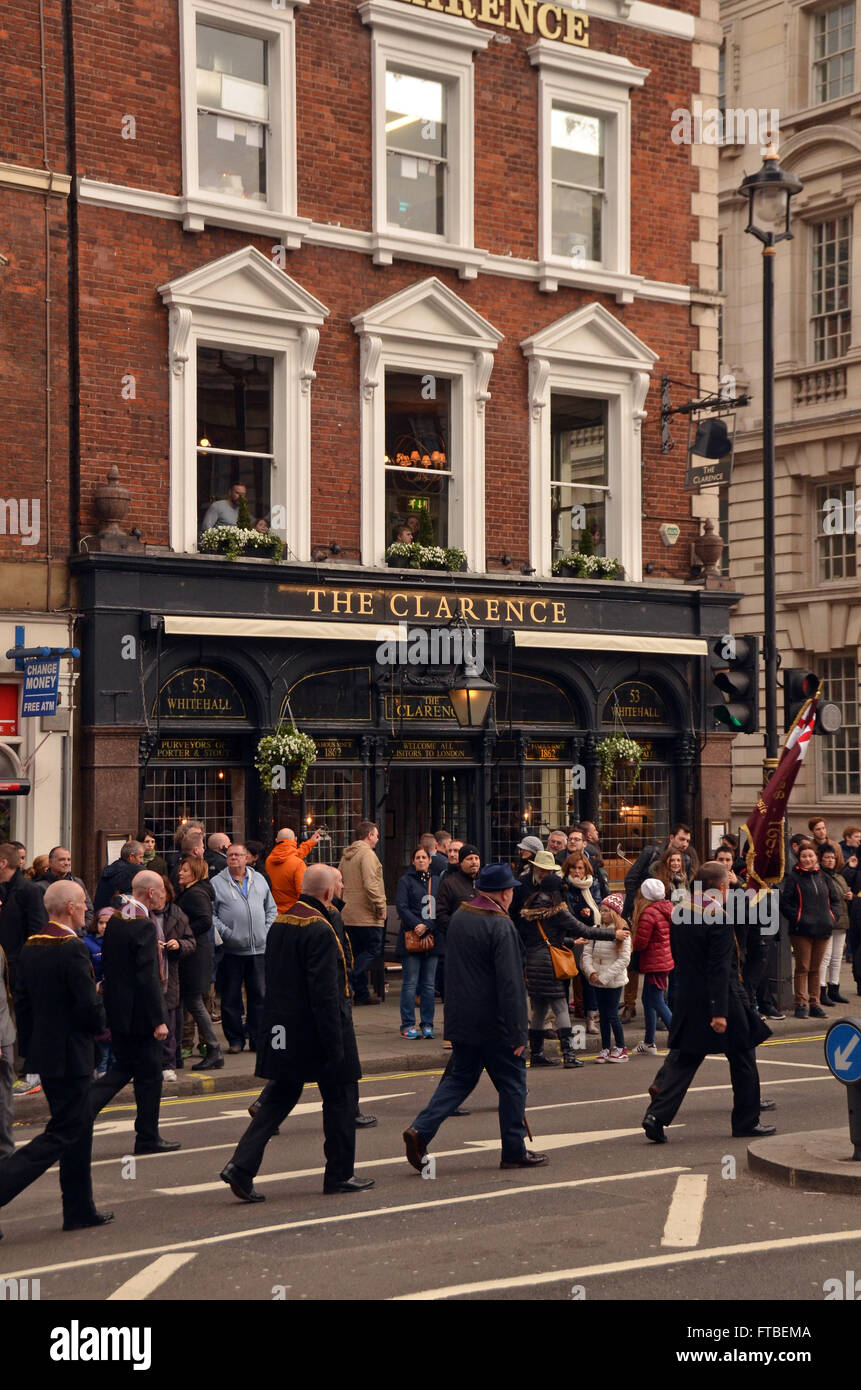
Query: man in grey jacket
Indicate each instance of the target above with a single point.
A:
(243, 911)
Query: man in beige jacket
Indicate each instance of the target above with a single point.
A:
(364, 911)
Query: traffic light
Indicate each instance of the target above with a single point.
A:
(798, 687)
(735, 669)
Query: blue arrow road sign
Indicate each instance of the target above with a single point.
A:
(843, 1050)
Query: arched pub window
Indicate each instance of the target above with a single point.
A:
(534, 787)
(633, 814)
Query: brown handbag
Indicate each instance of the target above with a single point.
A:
(416, 944)
(564, 964)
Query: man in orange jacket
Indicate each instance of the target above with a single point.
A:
(286, 867)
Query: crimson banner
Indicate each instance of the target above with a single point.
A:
(764, 853)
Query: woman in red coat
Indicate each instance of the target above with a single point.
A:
(652, 942)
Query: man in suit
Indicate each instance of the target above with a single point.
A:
(485, 1020)
(134, 972)
(306, 1035)
(59, 1014)
(711, 1014)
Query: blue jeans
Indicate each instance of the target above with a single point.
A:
(590, 996)
(235, 971)
(608, 1014)
(419, 974)
(508, 1074)
(367, 945)
(654, 1004)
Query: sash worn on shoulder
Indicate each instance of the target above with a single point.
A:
(303, 913)
(51, 935)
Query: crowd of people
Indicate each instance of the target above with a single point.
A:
(97, 992)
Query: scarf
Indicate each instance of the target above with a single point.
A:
(584, 884)
(157, 919)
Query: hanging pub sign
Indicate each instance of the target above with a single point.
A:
(636, 703)
(710, 454)
(199, 693)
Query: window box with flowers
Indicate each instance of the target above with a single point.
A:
(425, 557)
(283, 750)
(235, 541)
(576, 565)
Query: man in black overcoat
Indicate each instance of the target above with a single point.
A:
(134, 973)
(59, 1014)
(22, 908)
(711, 1012)
(306, 1035)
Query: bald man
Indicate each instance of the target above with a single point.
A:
(134, 1002)
(59, 1015)
(306, 1035)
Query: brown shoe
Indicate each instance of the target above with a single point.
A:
(416, 1148)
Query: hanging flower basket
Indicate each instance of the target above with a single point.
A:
(425, 557)
(617, 748)
(285, 748)
(233, 541)
(576, 565)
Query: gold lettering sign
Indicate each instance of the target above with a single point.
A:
(419, 707)
(199, 693)
(636, 703)
(527, 16)
(545, 752)
(435, 750)
(195, 750)
(434, 606)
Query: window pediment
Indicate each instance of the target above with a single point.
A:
(591, 335)
(428, 308)
(245, 283)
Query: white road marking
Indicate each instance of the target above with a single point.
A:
(685, 1217)
(552, 1141)
(147, 1280)
(247, 1234)
(692, 1090)
(308, 1107)
(623, 1266)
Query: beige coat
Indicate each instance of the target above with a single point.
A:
(364, 895)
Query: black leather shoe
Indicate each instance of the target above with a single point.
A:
(161, 1146)
(97, 1218)
(654, 1129)
(767, 1104)
(816, 1012)
(239, 1185)
(364, 1121)
(529, 1160)
(351, 1185)
(416, 1148)
(460, 1111)
(757, 1132)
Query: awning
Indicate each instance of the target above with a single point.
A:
(613, 642)
(202, 626)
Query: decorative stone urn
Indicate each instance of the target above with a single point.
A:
(708, 549)
(111, 502)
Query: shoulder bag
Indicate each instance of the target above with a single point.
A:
(415, 944)
(564, 964)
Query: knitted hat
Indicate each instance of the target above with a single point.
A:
(616, 901)
(653, 890)
(466, 850)
(531, 843)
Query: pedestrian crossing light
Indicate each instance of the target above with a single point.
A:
(734, 670)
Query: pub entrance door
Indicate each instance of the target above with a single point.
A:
(420, 799)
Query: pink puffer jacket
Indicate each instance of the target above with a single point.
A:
(653, 938)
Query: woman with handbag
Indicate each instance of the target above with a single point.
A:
(549, 931)
(584, 899)
(419, 944)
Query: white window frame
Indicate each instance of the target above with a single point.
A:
(596, 84)
(589, 353)
(814, 100)
(427, 329)
(260, 19)
(242, 301)
(437, 46)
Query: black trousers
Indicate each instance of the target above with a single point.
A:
(679, 1070)
(138, 1060)
(339, 1127)
(68, 1136)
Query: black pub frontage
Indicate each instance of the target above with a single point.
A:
(188, 661)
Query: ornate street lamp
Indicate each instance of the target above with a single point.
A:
(769, 193)
(470, 696)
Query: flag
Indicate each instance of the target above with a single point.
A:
(764, 853)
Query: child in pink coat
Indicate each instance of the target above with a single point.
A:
(652, 915)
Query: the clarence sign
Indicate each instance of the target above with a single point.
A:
(526, 16)
(428, 605)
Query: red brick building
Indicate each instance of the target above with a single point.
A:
(379, 263)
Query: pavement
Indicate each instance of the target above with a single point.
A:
(382, 1049)
(612, 1216)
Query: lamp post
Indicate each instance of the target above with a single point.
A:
(769, 193)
